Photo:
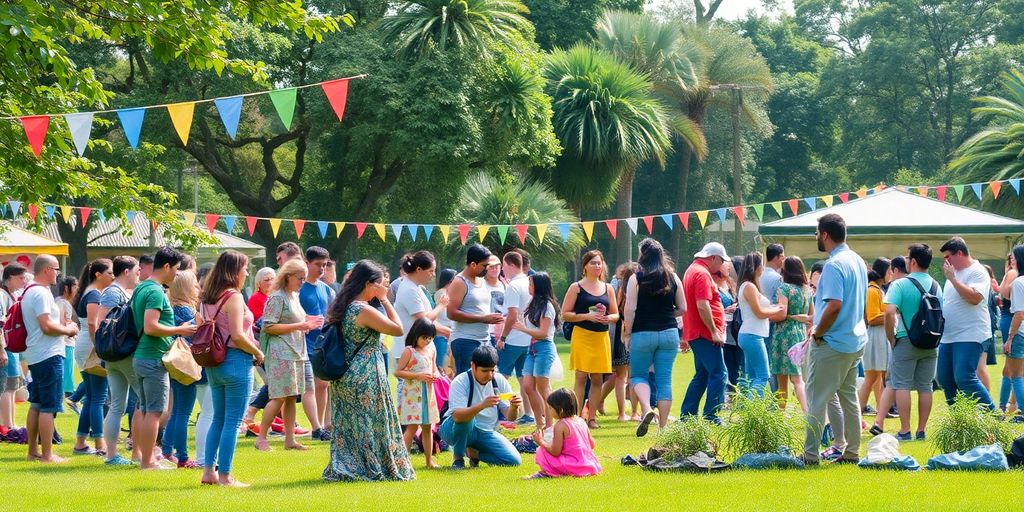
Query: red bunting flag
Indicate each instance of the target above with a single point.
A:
(521, 231)
(154, 224)
(84, 216)
(463, 233)
(35, 131)
(33, 210)
(250, 222)
(793, 206)
(360, 228)
(337, 94)
(211, 221)
(299, 226)
(844, 197)
(684, 219)
(613, 227)
(940, 191)
(741, 213)
(649, 222)
(995, 185)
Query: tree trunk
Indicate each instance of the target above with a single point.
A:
(682, 184)
(737, 172)
(624, 210)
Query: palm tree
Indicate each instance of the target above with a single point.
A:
(609, 122)
(997, 151)
(486, 199)
(420, 25)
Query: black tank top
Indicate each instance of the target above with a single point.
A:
(584, 301)
(654, 312)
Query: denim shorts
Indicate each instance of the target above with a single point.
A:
(46, 391)
(154, 385)
(1017, 347)
(512, 359)
(308, 373)
(539, 359)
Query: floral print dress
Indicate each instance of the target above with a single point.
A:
(789, 332)
(418, 404)
(367, 441)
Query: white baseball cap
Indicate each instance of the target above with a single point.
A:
(712, 249)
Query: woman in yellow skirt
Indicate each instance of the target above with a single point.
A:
(590, 306)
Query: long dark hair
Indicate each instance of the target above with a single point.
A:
(1018, 256)
(542, 296)
(421, 328)
(363, 273)
(224, 276)
(751, 262)
(445, 277)
(793, 271)
(878, 269)
(654, 275)
(88, 276)
(628, 270)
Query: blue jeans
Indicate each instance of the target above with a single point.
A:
(230, 384)
(462, 352)
(710, 375)
(755, 362)
(441, 348)
(176, 432)
(90, 422)
(658, 348)
(957, 371)
(491, 446)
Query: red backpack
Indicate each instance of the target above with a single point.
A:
(15, 333)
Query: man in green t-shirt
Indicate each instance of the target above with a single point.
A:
(154, 320)
(910, 368)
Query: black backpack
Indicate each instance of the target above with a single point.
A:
(117, 338)
(735, 324)
(925, 329)
(328, 357)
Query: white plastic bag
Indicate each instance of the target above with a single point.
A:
(557, 371)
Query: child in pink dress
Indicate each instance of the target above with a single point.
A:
(570, 452)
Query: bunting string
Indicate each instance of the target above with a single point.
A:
(79, 215)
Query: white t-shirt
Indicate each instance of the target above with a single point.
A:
(548, 313)
(35, 302)
(1017, 294)
(517, 295)
(497, 305)
(458, 396)
(751, 323)
(966, 322)
(409, 300)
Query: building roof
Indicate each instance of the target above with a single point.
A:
(897, 212)
(15, 240)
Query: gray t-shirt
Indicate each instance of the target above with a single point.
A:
(476, 302)
(458, 397)
(113, 296)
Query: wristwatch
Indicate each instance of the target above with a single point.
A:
(503, 339)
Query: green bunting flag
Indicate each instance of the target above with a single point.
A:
(759, 211)
(959, 189)
(284, 103)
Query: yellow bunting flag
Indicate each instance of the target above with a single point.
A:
(445, 231)
(65, 211)
(777, 205)
(588, 229)
(827, 200)
(923, 191)
(541, 230)
(862, 193)
(188, 217)
(181, 117)
(482, 230)
(702, 216)
(275, 225)
(339, 226)
(379, 228)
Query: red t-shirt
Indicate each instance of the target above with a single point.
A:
(699, 285)
(257, 302)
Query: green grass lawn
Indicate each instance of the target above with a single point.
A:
(291, 480)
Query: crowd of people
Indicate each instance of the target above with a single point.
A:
(759, 324)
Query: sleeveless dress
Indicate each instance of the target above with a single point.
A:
(789, 332)
(590, 349)
(417, 403)
(577, 457)
(367, 443)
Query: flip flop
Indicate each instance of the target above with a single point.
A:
(645, 423)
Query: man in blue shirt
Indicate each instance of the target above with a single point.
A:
(315, 297)
(839, 336)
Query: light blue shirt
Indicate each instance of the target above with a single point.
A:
(844, 278)
(770, 283)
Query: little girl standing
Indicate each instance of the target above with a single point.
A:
(417, 406)
(571, 449)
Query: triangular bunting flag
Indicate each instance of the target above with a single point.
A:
(684, 219)
(940, 192)
(1015, 183)
(397, 230)
(84, 211)
(379, 228)
(502, 233)
(300, 225)
(844, 197)
(976, 187)
(794, 206)
(103, 217)
(65, 211)
(541, 230)
(250, 224)
(130, 214)
(445, 231)
(35, 131)
(15, 207)
(428, 229)
(3, 210)
(338, 228)
(189, 218)
(959, 189)
(275, 225)
(33, 210)
(812, 203)
(51, 209)
(588, 230)
(337, 93)
(413, 228)
(862, 193)
(482, 230)
(702, 217)
(360, 229)
(229, 223)
(741, 213)
(181, 118)
(631, 222)
(80, 126)
(613, 227)
(721, 214)
(321, 226)
(230, 109)
(211, 221)
(563, 229)
(759, 211)
(131, 122)
(667, 219)
(155, 225)
(995, 186)
(521, 230)
(284, 103)
(777, 206)
(649, 224)
(827, 199)
(463, 233)
(922, 191)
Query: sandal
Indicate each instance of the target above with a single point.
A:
(536, 476)
(645, 424)
(592, 424)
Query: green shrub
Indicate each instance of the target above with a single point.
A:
(686, 437)
(756, 424)
(968, 425)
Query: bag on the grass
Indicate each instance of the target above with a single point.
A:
(1016, 456)
(699, 462)
(782, 459)
(884, 453)
(180, 364)
(986, 457)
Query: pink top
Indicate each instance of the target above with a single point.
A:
(577, 457)
(222, 320)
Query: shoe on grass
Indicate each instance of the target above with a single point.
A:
(846, 460)
(831, 454)
(876, 430)
(87, 450)
(870, 411)
(645, 424)
(118, 460)
(920, 436)
(526, 420)
(459, 464)
(904, 436)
